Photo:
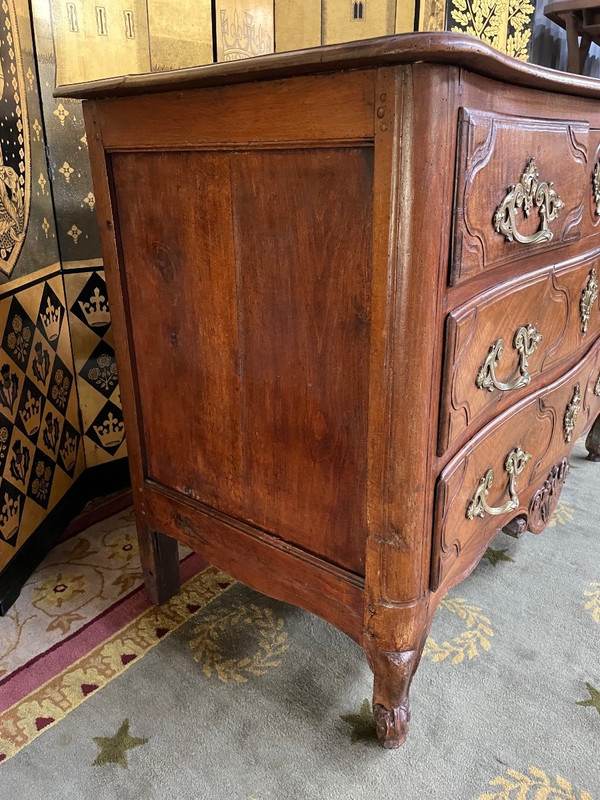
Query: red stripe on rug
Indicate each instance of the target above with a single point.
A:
(46, 665)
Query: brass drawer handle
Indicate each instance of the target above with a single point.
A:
(514, 466)
(526, 194)
(589, 295)
(525, 341)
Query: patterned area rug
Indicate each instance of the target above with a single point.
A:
(225, 694)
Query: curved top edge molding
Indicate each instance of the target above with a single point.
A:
(407, 48)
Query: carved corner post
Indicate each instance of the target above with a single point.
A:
(158, 553)
(405, 371)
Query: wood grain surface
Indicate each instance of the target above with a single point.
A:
(271, 400)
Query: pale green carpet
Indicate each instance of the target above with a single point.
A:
(270, 710)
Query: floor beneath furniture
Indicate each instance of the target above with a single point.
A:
(225, 694)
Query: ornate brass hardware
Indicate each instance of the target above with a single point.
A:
(596, 186)
(514, 465)
(589, 296)
(571, 413)
(597, 387)
(525, 340)
(545, 500)
(529, 192)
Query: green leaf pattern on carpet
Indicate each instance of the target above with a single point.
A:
(113, 749)
(496, 556)
(594, 698)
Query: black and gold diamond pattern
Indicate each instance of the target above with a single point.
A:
(51, 431)
(11, 380)
(50, 316)
(12, 502)
(5, 429)
(100, 370)
(107, 429)
(91, 305)
(96, 368)
(29, 413)
(41, 361)
(40, 480)
(69, 445)
(18, 334)
(19, 461)
(39, 420)
(61, 384)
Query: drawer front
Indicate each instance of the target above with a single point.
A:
(521, 189)
(498, 343)
(511, 468)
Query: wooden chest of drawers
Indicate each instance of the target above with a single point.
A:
(355, 291)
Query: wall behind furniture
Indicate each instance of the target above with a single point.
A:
(60, 417)
(77, 231)
(40, 434)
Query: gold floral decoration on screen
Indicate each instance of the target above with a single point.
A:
(503, 24)
(520, 16)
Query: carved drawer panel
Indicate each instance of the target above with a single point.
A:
(522, 187)
(498, 343)
(505, 471)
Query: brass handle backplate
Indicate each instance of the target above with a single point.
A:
(589, 295)
(526, 194)
(571, 413)
(525, 341)
(596, 187)
(514, 465)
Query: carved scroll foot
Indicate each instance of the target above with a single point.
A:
(592, 443)
(391, 725)
(393, 673)
(159, 555)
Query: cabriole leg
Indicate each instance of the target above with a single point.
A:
(592, 442)
(393, 673)
(159, 555)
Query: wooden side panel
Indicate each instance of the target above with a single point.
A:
(303, 224)
(251, 333)
(268, 565)
(315, 108)
(180, 276)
